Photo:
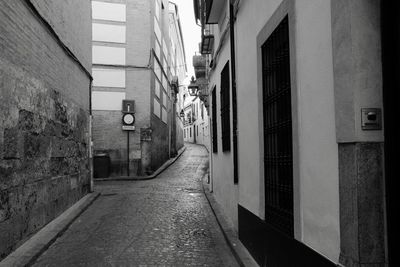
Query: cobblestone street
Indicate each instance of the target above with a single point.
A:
(166, 221)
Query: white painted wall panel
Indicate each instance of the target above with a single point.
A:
(109, 33)
(157, 30)
(108, 11)
(109, 55)
(156, 108)
(164, 115)
(107, 100)
(108, 77)
(157, 88)
(165, 97)
(165, 83)
(165, 48)
(157, 69)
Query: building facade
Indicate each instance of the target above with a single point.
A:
(45, 79)
(132, 61)
(196, 119)
(298, 125)
(196, 106)
(178, 71)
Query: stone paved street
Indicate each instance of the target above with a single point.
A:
(166, 221)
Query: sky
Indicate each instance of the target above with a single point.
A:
(191, 33)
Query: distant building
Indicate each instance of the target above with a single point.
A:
(45, 65)
(178, 71)
(302, 102)
(134, 58)
(196, 122)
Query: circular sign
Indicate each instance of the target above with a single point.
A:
(128, 119)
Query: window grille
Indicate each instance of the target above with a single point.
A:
(225, 109)
(214, 121)
(278, 159)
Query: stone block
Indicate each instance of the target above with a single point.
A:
(13, 144)
(361, 203)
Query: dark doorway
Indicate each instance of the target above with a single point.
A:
(278, 162)
(391, 83)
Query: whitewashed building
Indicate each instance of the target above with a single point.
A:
(301, 93)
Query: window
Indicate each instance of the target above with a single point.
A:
(214, 121)
(278, 156)
(190, 132)
(225, 109)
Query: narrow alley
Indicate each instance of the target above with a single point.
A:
(165, 221)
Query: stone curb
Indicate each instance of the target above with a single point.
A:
(27, 253)
(140, 178)
(239, 251)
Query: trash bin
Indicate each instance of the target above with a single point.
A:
(101, 165)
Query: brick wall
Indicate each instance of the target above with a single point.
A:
(44, 111)
(107, 133)
(159, 144)
(108, 137)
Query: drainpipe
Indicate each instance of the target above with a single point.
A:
(90, 142)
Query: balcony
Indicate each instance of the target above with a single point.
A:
(199, 64)
(207, 44)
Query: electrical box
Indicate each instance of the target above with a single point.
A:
(371, 119)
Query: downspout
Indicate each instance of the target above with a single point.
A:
(234, 96)
(91, 187)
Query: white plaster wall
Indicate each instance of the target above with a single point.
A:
(318, 153)
(316, 184)
(255, 15)
(224, 189)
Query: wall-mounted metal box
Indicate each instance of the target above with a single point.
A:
(371, 119)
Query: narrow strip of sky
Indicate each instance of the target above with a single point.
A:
(191, 32)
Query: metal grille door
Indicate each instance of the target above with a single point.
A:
(278, 163)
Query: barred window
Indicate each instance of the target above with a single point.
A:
(278, 157)
(225, 109)
(214, 121)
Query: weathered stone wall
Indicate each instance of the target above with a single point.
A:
(44, 116)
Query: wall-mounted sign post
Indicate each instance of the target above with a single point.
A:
(128, 121)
